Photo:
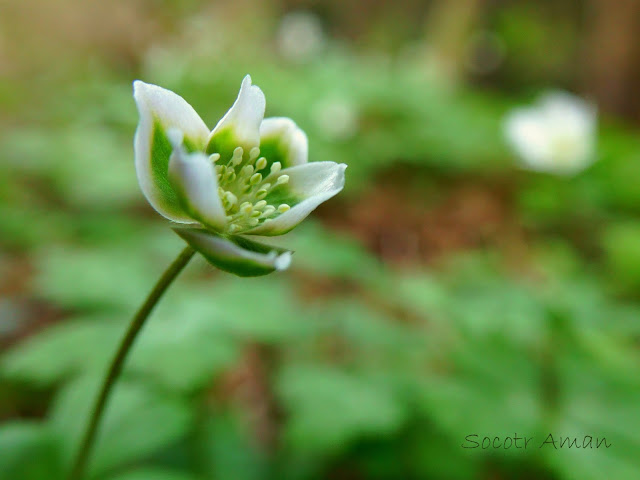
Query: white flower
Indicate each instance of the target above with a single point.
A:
(557, 135)
(248, 176)
(300, 36)
(336, 118)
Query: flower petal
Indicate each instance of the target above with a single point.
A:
(281, 140)
(194, 180)
(567, 112)
(237, 254)
(240, 127)
(527, 133)
(161, 110)
(309, 185)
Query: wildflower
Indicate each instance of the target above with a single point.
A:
(300, 36)
(557, 135)
(247, 177)
(335, 117)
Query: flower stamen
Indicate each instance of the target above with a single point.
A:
(243, 190)
(254, 153)
(236, 159)
(261, 163)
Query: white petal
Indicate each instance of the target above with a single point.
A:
(313, 184)
(573, 123)
(242, 120)
(195, 181)
(236, 255)
(281, 140)
(568, 112)
(161, 110)
(527, 133)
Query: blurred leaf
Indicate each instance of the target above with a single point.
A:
(138, 422)
(227, 450)
(254, 310)
(329, 408)
(18, 234)
(105, 277)
(29, 451)
(474, 299)
(619, 167)
(323, 252)
(183, 346)
(500, 307)
(89, 166)
(622, 247)
(598, 406)
(492, 388)
(421, 293)
(423, 452)
(365, 336)
(76, 278)
(153, 474)
(63, 350)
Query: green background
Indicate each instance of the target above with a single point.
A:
(444, 293)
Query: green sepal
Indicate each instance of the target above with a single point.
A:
(235, 254)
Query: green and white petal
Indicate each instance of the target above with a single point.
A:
(236, 254)
(194, 180)
(240, 127)
(281, 140)
(161, 110)
(308, 186)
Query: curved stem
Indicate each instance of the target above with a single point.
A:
(118, 360)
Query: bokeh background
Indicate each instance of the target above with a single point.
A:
(445, 292)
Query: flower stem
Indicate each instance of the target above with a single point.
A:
(115, 367)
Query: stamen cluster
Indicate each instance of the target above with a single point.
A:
(242, 187)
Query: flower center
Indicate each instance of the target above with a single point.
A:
(243, 188)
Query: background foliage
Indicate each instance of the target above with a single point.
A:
(444, 293)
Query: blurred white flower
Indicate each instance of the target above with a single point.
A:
(557, 135)
(336, 118)
(300, 36)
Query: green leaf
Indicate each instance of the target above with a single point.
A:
(491, 386)
(252, 310)
(151, 473)
(370, 336)
(325, 252)
(329, 408)
(62, 350)
(87, 165)
(28, 451)
(622, 247)
(138, 422)
(599, 405)
(227, 449)
(108, 277)
(183, 346)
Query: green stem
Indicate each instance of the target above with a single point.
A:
(118, 360)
